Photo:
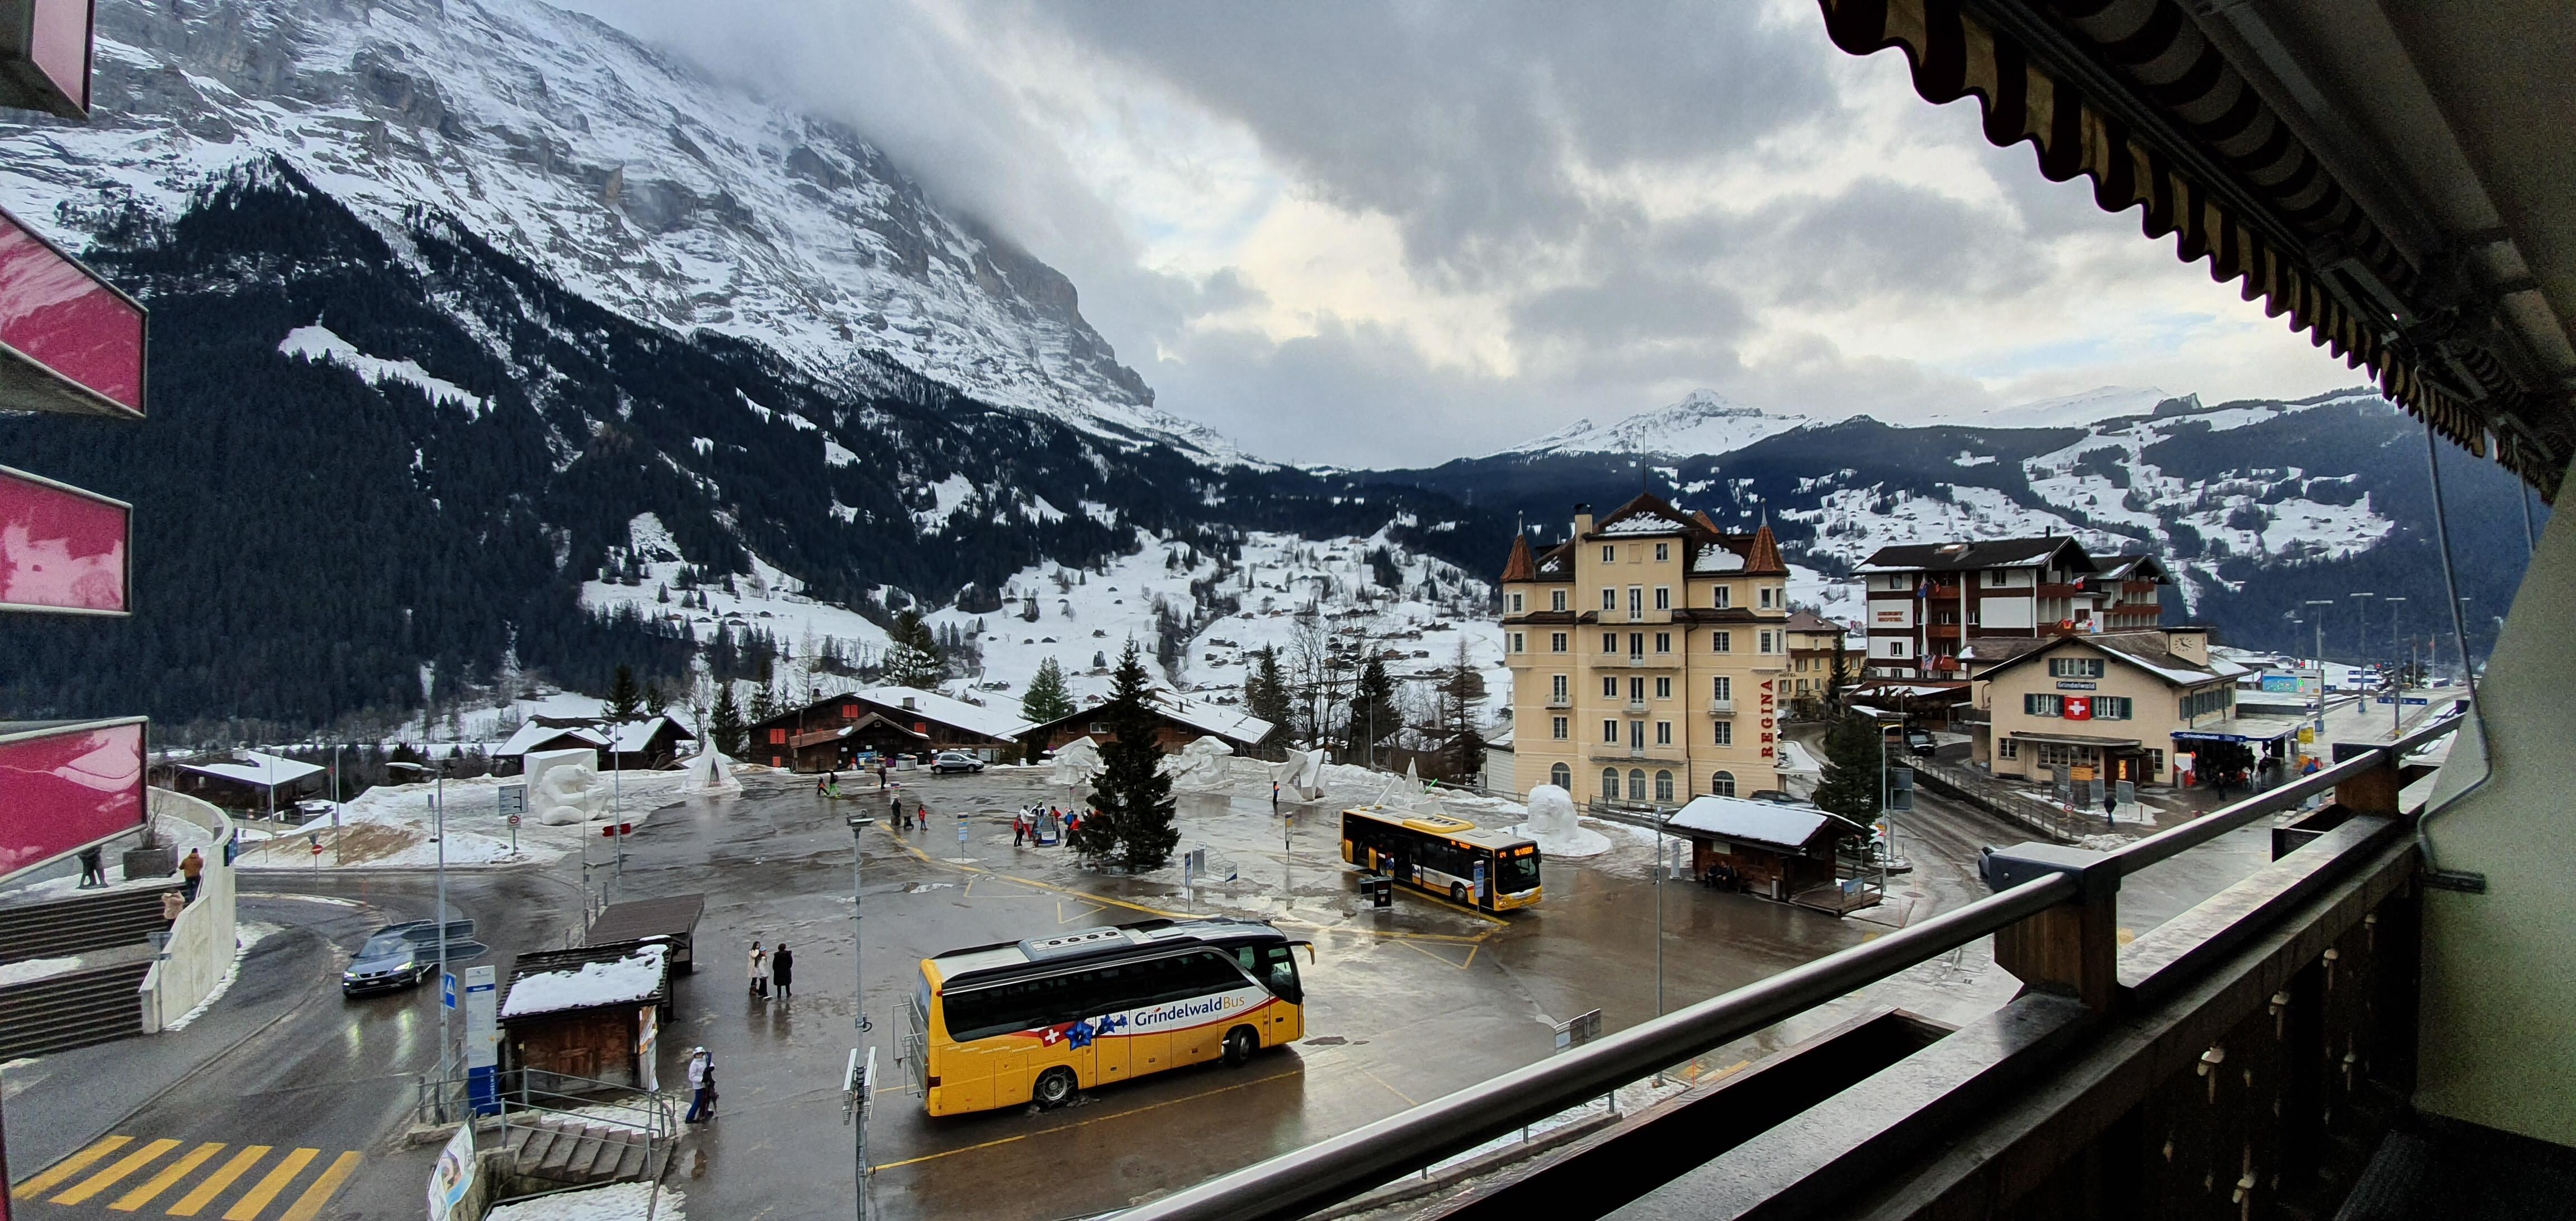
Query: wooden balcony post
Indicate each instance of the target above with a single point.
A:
(2374, 791)
(2072, 948)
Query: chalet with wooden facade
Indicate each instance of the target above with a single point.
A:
(1924, 602)
(1178, 721)
(650, 744)
(258, 783)
(907, 721)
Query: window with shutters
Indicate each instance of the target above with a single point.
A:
(2075, 667)
(2042, 705)
(2110, 707)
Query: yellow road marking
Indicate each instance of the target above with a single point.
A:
(70, 1166)
(1081, 1123)
(1062, 918)
(215, 1183)
(309, 1205)
(1408, 1098)
(124, 1166)
(171, 1173)
(257, 1198)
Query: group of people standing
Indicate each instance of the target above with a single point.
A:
(773, 967)
(1033, 825)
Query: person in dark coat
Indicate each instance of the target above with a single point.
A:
(93, 873)
(782, 971)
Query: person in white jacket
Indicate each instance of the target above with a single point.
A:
(702, 1084)
(759, 970)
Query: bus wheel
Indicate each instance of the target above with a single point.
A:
(1240, 1043)
(1458, 893)
(1054, 1088)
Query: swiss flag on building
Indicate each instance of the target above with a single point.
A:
(2079, 708)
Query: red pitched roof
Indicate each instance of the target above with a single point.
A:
(1764, 556)
(1522, 566)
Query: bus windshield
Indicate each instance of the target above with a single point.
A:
(1517, 873)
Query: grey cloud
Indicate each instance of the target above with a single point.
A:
(1466, 122)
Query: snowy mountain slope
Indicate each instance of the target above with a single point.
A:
(2069, 411)
(619, 172)
(2257, 506)
(1703, 422)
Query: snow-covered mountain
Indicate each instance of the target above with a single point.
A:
(624, 174)
(2067, 411)
(1703, 422)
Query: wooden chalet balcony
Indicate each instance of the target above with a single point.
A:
(2062, 591)
(1942, 631)
(2242, 1059)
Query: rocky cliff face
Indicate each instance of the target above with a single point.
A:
(610, 167)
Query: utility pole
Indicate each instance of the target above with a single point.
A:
(438, 835)
(2397, 699)
(1660, 816)
(859, 824)
(2317, 621)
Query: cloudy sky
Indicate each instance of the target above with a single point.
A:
(1401, 232)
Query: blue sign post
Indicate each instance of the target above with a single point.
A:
(482, 1047)
(447, 990)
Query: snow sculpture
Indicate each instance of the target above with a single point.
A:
(1301, 774)
(709, 774)
(1551, 811)
(1077, 762)
(1552, 824)
(1203, 766)
(563, 786)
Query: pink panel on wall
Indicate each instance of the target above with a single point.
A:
(59, 549)
(60, 46)
(63, 790)
(56, 312)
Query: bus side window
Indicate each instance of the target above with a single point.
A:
(1250, 958)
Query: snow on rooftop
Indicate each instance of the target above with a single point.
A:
(1643, 523)
(531, 735)
(990, 722)
(265, 770)
(1210, 718)
(619, 981)
(1715, 558)
(1763, 822)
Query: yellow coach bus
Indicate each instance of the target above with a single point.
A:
(1444, 855)
(1035, 1021)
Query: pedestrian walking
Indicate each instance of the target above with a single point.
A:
(782, 971)
(1020, 829)
(759, 970)
(821, 788)
(93, 873)
(171, 906)
(2110, 808)
(702, 1084)
(921, 816)
(894, 808)
(1274, 796)
(190, 871)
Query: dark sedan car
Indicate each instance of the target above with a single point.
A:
(402, 955)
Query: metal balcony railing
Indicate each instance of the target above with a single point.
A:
(1318, 1176)
(1722, 707)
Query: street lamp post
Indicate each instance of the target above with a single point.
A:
(437, 835)
(859, 824)
(2317, 620)
(2396, 699)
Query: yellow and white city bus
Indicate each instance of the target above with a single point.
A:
(1444, 855)
(1034, 1021)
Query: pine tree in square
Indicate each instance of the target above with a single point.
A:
(1046, 699)
(725, 724)
(625, 699)
(1132, 797)
(1849, 786)
(912, 659)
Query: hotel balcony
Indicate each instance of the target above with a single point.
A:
(1721, 707)
(1560, 701)
(1650, 661)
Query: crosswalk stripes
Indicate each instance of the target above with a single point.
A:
(129, 1177)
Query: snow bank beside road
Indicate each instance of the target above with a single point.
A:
(394, 826)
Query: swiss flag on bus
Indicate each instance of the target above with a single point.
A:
(2079, 708)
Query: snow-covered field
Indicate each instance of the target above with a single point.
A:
(391, 826)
